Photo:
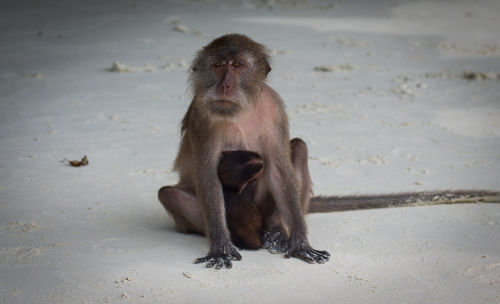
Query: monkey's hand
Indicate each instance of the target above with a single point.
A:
(219, 258)
(306, 253)
(275, 241)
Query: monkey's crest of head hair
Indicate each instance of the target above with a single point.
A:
(233, 44)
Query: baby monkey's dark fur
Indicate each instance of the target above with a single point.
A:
(237, 172)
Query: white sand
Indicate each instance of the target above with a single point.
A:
(400, 118)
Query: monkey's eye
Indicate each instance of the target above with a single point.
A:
(219, 64)
(237, 63)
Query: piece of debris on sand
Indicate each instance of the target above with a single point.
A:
(79, 163)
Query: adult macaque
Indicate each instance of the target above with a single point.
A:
(241, 180)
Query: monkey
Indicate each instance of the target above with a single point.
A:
(234, 109)
(242, 181)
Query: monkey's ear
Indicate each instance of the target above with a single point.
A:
(267, 68)
(197, 64)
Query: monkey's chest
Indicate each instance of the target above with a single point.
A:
(236, 137)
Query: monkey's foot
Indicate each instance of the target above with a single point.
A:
(218, 261)
(275, 241)
(309, 255)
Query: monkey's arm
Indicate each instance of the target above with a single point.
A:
(209, 191)
(284, 187)
(358, 202)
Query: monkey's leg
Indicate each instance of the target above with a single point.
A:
(299, 162)
(275, 237)
(184, 208)
(300, 249)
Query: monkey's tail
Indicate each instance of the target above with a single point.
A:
(358, 202)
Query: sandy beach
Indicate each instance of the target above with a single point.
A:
(390, 96)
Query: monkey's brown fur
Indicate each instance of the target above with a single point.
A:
(233, 109)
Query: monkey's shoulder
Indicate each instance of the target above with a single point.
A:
(272, 96)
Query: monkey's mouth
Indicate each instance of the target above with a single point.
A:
(224, 107)
(224, 103)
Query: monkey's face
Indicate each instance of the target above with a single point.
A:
(227, 85)
(227, 96)
(227, 75)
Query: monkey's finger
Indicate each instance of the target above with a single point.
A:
(236, 256)
(302, 255)
(323, 259)
(320, 257)
(211, 263)
(228, 263)
(306, 258)
(319, 253)
(278, 247)
(219, 263)
(275, 242)
(282, 245)
(201, 260)
(273, 250)
(323, 252)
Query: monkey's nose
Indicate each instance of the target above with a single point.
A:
(227, 88)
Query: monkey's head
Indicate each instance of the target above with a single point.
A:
(227, 75)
